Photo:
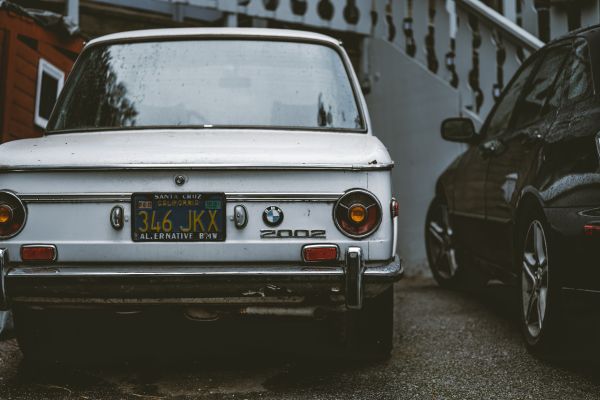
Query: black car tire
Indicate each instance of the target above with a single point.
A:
(368, 333)
(543, 263)
(449, 265)
(33, 334)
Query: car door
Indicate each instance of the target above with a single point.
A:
(468, 211)
(515, 159)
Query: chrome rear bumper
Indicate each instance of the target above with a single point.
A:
(195, 284)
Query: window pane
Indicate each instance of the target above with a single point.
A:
(210, 82)
(498, 121)
(580, 82)
(556, 98)
(540, 87)
(48, 94)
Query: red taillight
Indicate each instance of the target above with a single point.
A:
(38, 253)
(320, 252)
(394, 208)
(12, 215)
(591, 229)
(357, 213)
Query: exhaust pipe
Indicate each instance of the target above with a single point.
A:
(299, 312)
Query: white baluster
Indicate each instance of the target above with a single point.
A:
(529, 16)
(590, 13)
(559, 24)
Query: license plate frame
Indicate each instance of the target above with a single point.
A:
(209, 207)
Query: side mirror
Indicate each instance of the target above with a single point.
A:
(458, 130)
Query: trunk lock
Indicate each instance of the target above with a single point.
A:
(180, 180)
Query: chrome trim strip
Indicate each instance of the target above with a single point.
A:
(197, 167)
(3, 264)
(169, 271)
(67, 301)
(126, 197)
(391, 270)
(268, 197)
(75, 197)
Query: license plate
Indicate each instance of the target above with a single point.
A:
(178, 217)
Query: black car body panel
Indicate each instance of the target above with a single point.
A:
(543, 152)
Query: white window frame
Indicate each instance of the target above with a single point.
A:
(45, 66)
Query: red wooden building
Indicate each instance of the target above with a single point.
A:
(37, 51)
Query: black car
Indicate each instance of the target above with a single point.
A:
(522, 204)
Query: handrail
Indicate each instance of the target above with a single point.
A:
(524, 38)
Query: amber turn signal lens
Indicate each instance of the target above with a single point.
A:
(358, 213)
(38, 253)
(6, 213)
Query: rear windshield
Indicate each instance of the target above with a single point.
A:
(209, 83)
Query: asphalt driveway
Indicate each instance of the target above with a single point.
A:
(449, 345)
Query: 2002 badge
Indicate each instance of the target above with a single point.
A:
(293, 233)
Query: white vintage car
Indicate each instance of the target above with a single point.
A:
(223, 171)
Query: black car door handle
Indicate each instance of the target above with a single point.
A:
(491, 148)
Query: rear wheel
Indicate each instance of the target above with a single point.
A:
(447, 263)
(539, 287)
(368, 333)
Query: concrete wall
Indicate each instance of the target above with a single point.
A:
(407, 104)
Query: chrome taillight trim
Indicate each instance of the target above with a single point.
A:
(19, 203)
(199, 167)
(369, 233)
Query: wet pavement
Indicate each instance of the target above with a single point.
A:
(449, 345)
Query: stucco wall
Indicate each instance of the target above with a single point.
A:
(407, 104)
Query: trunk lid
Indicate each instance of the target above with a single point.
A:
(70, 183)
(211, 148)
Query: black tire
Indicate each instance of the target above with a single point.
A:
(538, 254)
(368, 333)
(450, 267)
(34, 335)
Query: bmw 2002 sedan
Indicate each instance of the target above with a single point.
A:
(222, 171)
(522, 203)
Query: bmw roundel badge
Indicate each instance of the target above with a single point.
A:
(273, 216)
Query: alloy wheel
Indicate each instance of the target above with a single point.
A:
(534, 281)
(440, 246)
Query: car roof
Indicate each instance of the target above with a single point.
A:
(259, 33)
(588, 32)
